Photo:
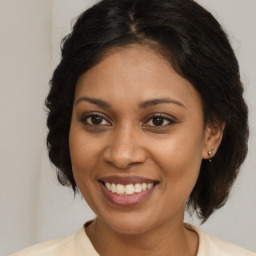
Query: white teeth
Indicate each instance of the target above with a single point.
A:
(113, 188)
(129, 189)
(137, 188)
(150, 185)
(144, 186)
(108, 185)
(120, 189)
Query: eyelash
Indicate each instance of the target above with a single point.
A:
(85, 118)
(165, 119)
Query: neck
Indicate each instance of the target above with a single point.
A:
(170, 239)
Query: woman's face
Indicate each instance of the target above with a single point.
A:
(137, 139)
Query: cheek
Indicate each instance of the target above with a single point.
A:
(180, 158)
(83, 149)
(83, 165)
(82, 154)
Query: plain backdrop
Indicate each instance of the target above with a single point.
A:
(33, 206)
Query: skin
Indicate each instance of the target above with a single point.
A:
(126, 142)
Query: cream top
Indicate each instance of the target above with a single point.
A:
(79, 244)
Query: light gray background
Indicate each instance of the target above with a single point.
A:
(33, 207)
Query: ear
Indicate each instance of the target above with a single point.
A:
(212, 139)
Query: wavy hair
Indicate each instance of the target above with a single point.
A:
(194, 43)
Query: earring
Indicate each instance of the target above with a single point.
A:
(210, 153)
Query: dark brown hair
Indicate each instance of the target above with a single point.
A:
(194, 43)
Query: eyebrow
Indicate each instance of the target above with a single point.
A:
(143, 105)
(94, 101)
(154, 102)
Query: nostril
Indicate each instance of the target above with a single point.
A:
(124, 157)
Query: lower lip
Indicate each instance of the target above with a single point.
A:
(126, 200)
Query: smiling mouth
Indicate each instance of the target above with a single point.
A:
(128, 189)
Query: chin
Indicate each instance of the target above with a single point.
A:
(130, 223)
(129, 228)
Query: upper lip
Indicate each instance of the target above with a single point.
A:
(126, 180)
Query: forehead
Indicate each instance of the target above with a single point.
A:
(134, 74)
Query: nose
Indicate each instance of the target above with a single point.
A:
(125, 149)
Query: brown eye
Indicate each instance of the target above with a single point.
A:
(159, 121)
(96, 120)
(93, 119)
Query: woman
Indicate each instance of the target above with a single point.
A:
(146, 119)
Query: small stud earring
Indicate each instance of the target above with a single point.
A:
(210, 153)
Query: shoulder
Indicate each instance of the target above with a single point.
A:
(210, 245)
(50, 248)
(63, 246)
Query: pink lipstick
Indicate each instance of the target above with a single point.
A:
(127, 191)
